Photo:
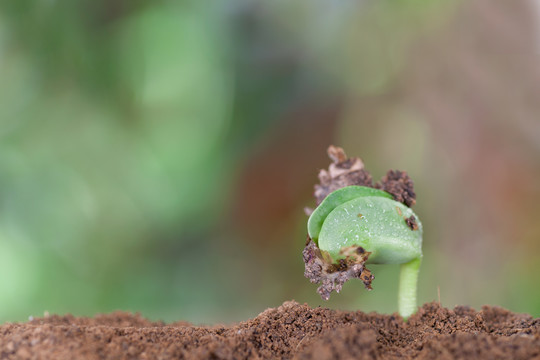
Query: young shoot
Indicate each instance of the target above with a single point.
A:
(358, 223)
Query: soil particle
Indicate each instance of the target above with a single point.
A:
(399, 185)
(411, 222)
(291, 331)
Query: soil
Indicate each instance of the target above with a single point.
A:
(289, 331)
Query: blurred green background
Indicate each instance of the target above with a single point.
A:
(156, 156)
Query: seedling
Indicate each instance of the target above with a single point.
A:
(358, 223)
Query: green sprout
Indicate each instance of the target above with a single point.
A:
(356, 225)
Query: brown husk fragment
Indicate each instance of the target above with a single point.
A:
(321, 268)
(345, 171)
(291, 331)
(342, 172)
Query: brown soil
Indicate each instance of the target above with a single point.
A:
(290, 331)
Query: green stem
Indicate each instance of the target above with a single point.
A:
(408, 279)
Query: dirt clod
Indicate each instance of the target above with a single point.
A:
(320, 268)
(291, 331)
(399, 185)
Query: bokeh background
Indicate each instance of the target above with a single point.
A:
(157, 156)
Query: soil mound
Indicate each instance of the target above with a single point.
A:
(291, 331)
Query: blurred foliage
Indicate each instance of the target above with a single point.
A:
(156, 157)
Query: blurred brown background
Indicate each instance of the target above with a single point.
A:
(156, 157)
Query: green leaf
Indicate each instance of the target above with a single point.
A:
(336, 199)
(378, 225)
